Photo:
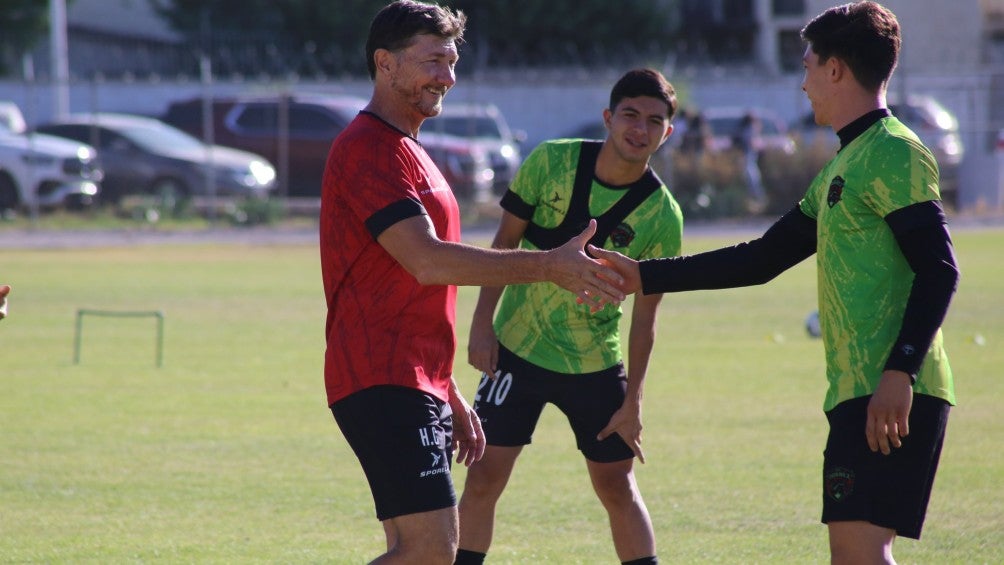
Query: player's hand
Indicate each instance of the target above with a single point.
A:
(889, 412)
(626, 422)
(4, 291)
(483, 347)
(468, 437)
(592, 281)
(626, 267)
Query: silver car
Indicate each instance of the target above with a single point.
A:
(146, 156)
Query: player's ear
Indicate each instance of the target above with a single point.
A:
(383, 59)
(607, 116)
(669, 132)
(835, 69)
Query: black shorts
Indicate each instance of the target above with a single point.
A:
(510, 405)
(403, 438)
(891, 491)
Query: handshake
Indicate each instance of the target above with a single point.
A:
(598, 278)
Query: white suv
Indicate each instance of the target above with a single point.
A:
(42, 170)
(484, 126)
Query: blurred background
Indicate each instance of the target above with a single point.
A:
(261, 88)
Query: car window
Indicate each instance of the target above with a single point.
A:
(724, 126)
(156, 138)
(466, 126)
(312, 121)
(81, 133)
(258, 118)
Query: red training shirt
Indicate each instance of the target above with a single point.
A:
(383, 327)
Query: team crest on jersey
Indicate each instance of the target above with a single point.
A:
(622, 236)
(839, 483)
(836, 191)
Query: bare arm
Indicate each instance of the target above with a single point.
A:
(482, 346)
(414, 244)
(627, 420)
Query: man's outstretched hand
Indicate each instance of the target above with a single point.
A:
(592, 280)
(626, 268)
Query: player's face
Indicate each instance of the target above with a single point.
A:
(637, 127)
(815, 86)
(423, 72)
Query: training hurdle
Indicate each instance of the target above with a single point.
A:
(78, 335)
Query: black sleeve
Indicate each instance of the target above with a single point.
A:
(788, 242)
(512, 203)
(392, 214)
(922, 234)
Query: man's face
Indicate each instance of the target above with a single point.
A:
(423, 72)
(815, 84)
(637, 127)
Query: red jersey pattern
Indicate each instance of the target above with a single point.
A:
(383, 327)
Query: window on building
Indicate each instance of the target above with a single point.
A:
(790, 50)
(788, 7)
(737, 11)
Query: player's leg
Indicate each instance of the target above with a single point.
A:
(630, 525)
(589, 401)
(486, 479)
(509, 406)
(405, 455)
(424, 537)
(860, 543)
(869, 498)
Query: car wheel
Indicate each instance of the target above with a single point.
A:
(9, 199)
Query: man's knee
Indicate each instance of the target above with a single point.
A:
(429, 537)
(860, 542)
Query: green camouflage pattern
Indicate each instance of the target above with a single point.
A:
(864, 280)
(543, 323)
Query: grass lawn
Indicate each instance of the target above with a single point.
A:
(228, 454)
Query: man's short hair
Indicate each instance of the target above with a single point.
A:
(398, 23)
(864, 35)
(644, 82)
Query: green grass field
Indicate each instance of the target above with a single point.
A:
(228, 454)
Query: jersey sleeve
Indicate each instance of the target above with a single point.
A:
(380, 193)
(530, 178)
(897, 186)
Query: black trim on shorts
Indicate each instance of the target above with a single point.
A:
(405, 453)
(891, 491)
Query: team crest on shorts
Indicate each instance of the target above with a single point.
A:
(839, 483)
(622, 236)
(836, 191)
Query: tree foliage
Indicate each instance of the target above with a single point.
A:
(528, 30)
(22, 24)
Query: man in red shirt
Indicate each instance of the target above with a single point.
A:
(390, 257)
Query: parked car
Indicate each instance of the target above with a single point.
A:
(484, 125)
(936, 127)
(726, 123)
(41, 170)
(314, 120)
(143, 155)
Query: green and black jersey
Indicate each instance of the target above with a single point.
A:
(543, 323)
(864, 279)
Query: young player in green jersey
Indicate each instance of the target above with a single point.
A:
(887, 272)
(545, 346)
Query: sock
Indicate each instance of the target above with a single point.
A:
(643, 561)
(465, 557)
